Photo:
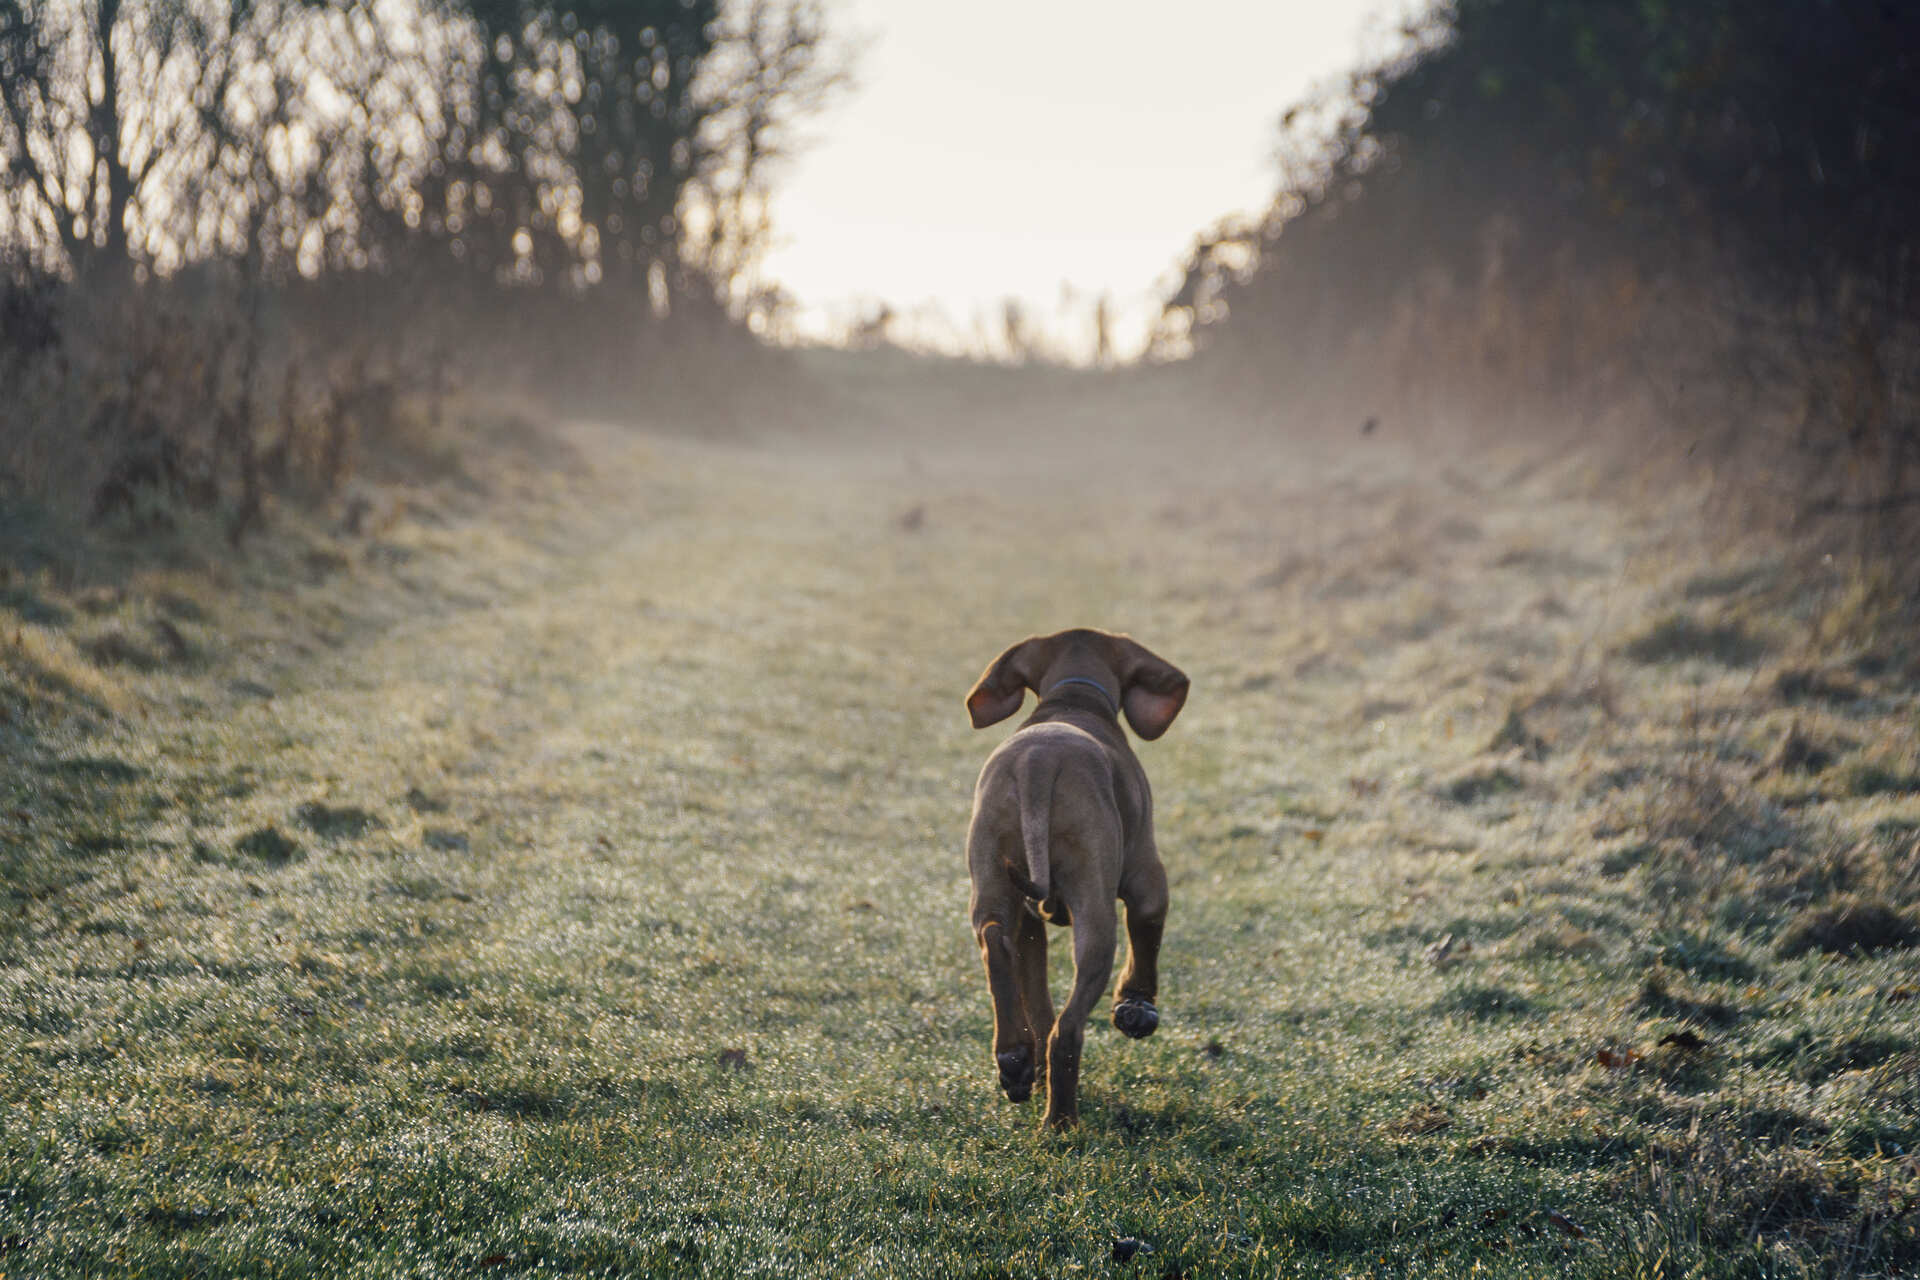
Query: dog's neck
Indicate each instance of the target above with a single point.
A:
(1078, 687)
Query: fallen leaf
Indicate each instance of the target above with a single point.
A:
(1685, 1039)
(1447, 950)
(1421, 1120)
(1566, 1224)
(1314, 834)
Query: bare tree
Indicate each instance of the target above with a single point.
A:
(103, 112)
(775, 66)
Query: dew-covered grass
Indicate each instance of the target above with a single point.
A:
(581, 892)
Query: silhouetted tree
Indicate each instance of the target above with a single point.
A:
(105, 111)
(572, 159)
(774, 66)
(1488, 214)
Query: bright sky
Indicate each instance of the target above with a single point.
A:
(1010, 147)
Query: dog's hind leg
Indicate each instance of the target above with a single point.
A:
(1014, 1043)
(1145, 896)
(1094, 932)
(1030, 968)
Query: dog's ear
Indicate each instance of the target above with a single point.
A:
(1152, 690)
(1003, 687)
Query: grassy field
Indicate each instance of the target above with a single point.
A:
(570, 882)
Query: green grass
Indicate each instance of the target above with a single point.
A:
(584, 895)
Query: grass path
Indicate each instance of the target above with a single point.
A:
(608, 916)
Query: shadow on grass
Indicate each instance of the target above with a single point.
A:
(1484, 1002)
(1679, 637)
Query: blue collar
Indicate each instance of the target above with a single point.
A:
(1112, 702)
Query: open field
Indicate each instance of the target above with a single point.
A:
(572, 883)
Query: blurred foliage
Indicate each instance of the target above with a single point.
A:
(1788, 133)
(522, 142)
(234, 234)
(1553, 205)
(582, 117)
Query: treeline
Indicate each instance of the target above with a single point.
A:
(1698, 217)
(236, 230)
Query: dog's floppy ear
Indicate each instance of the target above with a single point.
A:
(1003, 687)
(1152, 690)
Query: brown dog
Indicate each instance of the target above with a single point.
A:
(1063, 825)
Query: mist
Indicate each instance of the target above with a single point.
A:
(485, 766)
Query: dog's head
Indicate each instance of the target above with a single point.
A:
(1149, 689)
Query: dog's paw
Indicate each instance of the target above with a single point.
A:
(1016, 1073)
(1136, 1018)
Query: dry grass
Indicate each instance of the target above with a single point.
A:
(566, 878)
(44, 667)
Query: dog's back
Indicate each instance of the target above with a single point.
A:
(1051, 786)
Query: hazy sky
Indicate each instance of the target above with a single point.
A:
(1005, 147)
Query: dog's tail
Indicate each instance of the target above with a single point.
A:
(1033, 780)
